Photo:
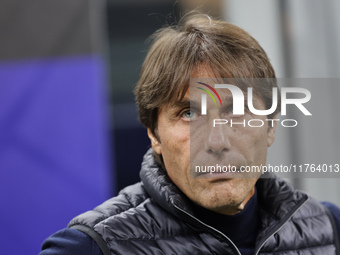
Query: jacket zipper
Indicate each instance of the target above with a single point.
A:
(227, 238)
(191, 216)
(277, 230)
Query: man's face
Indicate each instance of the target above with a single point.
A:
(189, 139)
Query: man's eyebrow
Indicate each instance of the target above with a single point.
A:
(229, 99)
(186, 103)
(194, 104)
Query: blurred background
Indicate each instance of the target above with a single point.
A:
(69, 133)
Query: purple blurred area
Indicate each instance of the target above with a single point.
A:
(53, 146)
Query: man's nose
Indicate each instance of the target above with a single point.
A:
(218, 140)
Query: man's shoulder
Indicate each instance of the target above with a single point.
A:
(70, 241)
(83, 232)
(128, 198)
(335, 212)
(132, 217)
(132, 209)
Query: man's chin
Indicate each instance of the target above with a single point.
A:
(223, 196)
(222, 204)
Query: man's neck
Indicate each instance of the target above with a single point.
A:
(232, 210)
(233, 226)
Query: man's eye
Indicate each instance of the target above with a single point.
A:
(189, 115)
(230, 113)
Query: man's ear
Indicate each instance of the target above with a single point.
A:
(156, 145)
(271, 132)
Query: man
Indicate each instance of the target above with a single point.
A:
(178, 210)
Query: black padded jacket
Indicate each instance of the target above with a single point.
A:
(155, 217)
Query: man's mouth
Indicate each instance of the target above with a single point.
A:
(228, 174)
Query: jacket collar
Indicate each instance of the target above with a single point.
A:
(160, 187)
(278, 197)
